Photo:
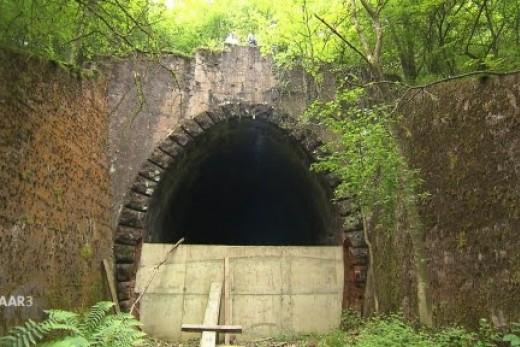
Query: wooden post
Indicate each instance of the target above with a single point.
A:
(209, 338)
(227, 299)
(109, 273)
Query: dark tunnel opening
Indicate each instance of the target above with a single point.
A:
(243, 182)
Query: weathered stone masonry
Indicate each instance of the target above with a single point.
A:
(55, 221)
(148, 98)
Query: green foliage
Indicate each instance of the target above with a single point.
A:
(62, 328)
(420, 39)
(366, 156)
(351, 320)
(513, 337)
(394, 331)
(76, 31)
(86, 252)
(334, 339)
(391, 331)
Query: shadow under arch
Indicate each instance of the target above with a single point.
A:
(237, 174)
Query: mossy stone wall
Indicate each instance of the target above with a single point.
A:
(464, 136)
(55, 193)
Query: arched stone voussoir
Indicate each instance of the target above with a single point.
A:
(132, 218)
(150, 169)
(192, 128)
(180, 136)
(233, 109)
(359, 255)
(352, 222)
(216, 114)
(311, 142)
(262, 111)
(128, 236)
(144, 185)
(124, 254)
(282, 120)
(125, 272)
(356, 239)
(160, 158)
(170, 147)
(204, 120)
(137, 201)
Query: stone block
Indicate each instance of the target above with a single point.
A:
(204, 120)
(192, 128)
(352, 222)
(124, 254)
(299, 133)
(262, 111)
(161, 158)
(345, 207)
(332, 179)
(144, 186)
(359, 256)
(171, 147)
(124, 290)
(231, 110)
(137, 201)
(151, 170)
(311, 142)
(125, 305)
(124, 272)
(181, 137)
(355, 238)
(217, 115)
(128, 236)
(281, 119)
(132, 218)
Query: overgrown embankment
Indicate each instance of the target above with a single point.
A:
(54, 186)
(464, 136)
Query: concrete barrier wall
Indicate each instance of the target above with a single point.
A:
(274, 290)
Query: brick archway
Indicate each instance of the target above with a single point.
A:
(132, 225)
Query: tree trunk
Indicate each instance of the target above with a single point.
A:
(423, 296)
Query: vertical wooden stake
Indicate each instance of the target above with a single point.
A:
(109, 273)
(227, 299)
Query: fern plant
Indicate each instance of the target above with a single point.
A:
(63, 329)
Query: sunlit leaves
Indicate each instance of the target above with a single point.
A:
(365, 155)
(78, 30)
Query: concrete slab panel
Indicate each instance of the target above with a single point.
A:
(200, 274)
(318, 312)
(313, 276)
(166, 307)
(256, 275)
(259, 315)
(169, 279)
(274, 290)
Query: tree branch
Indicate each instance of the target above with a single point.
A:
(342, 38)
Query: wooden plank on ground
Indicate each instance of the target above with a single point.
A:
(215, 328)
(227, 299)
(109, 273)
(209, 338)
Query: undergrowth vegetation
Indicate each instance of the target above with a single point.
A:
(97, 327)
(394, 331)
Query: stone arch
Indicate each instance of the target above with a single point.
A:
(132, 224)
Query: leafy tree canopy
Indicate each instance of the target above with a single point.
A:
(416, 39)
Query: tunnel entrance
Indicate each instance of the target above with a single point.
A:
(242, 182)
(231, 181)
